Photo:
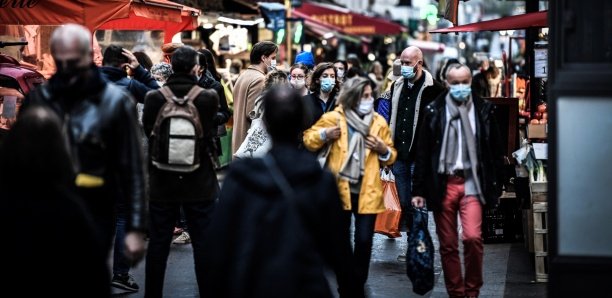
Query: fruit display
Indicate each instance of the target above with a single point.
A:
(541, 116)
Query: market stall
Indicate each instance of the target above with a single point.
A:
(526, 148)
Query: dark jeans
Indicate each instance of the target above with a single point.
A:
(364, 233)
(121, 263)
(163, 217)
(403, 172)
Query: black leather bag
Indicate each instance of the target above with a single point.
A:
(420, 254)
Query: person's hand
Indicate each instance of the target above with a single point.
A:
(332, 133)
(418, 202)
(376, 144)
(135, 246)
(133, 62)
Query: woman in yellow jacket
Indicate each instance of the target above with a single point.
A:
(360, 144)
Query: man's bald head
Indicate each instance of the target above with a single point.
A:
(71, 42)
(458, 74)
(413, 56)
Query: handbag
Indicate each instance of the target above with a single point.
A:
(257, 142)
(323, 154)
(387, 222)
(420, 254)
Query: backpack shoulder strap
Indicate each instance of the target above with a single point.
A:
(193, 93)
(167, 93)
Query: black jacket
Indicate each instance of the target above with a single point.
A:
(428, 183)
(200, 184)
(142, 82)
(244, 253)
(313, 108)
(105, 141)
(207, 81)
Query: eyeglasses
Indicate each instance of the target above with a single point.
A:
(298, 77)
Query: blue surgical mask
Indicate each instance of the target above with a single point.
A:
(460, 92)
(408, 71)
(327, 84)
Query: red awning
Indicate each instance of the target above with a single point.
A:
(105, 14)
(343, 21)
(529, 20)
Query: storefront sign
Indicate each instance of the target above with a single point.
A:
(345, 21)
(541, 63)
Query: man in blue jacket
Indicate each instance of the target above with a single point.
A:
(116, 60)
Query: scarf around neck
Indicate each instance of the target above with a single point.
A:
(450, 142)
(354, 166)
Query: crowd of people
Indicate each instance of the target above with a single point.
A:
(129, 151)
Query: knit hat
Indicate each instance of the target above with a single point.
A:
(305, 58)
(162, 69)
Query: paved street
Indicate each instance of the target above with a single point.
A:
(508, 272)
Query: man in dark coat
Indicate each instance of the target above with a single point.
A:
(195, 191)
(103, 134)
(410, 94)
(263, 243)
(459, 171)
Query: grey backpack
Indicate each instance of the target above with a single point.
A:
(177, 135)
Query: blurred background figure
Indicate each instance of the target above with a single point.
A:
(361, 144)
(298, 78)
(341, 67)
(264, 242)
(305, 58)
(376, 75)
(161, 72)
(39, 200)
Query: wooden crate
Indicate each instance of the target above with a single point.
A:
(540, 240)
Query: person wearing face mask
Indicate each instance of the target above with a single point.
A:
(104, 139)
(298, 74)
(360, 144)
(324, 86)
(341, 67)
(249, 86)
(459, 171)
(410, 94)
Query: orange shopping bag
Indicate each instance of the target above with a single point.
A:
(387, 223)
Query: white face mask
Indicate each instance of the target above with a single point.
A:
(273, 63)
(366, 106)
(340, 73)
(297, 84)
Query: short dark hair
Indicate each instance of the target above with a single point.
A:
(113, 56)
(283, 114)
(184, 59)
(262, 48)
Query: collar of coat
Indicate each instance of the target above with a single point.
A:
(398, 84)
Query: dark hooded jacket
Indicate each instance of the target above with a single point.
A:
(248, 256)
(142, 82)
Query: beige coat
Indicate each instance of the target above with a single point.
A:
(371, 194)
(248, 87)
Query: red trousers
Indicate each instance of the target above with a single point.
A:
(470, 213)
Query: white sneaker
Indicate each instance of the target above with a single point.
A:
(182, 239)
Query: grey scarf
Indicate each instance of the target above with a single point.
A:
(450, 141)
(353, 167)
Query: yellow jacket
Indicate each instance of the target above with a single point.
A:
(370, 196)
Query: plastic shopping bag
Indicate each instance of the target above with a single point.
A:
(387, 223)
(420, 254)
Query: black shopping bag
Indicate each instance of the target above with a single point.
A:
(420, 254)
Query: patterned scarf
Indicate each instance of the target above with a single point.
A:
(354, 166)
